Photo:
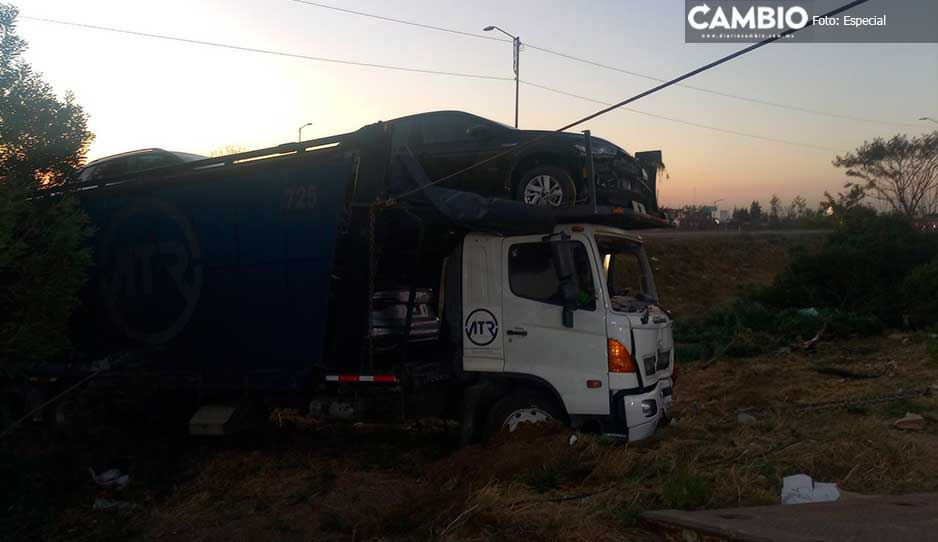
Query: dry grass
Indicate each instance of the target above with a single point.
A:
(329, 483)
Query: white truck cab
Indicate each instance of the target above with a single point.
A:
(574, 317)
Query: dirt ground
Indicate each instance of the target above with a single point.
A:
(307, 481)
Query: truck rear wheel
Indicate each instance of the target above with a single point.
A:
(519, 409)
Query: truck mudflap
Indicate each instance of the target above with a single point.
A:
(637, 412)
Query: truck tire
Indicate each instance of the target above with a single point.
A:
(546, 186)
(520, 407)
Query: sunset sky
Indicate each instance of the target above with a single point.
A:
(144, 92)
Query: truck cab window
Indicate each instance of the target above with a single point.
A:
(531, 274)
(628, 275)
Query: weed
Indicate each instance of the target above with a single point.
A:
(685, 490)
(931, 346)
(630, 514)
(543, 479)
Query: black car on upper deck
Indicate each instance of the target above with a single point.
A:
(550, 171)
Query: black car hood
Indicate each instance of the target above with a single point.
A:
(572, 138)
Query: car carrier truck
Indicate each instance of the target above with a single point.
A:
(333, 274)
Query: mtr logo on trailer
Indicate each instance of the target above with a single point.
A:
(746, 16)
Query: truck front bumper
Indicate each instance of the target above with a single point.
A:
(636, 413)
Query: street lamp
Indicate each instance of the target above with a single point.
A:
(299, 133)
(516, 45)
(929, 119)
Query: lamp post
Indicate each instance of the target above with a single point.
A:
(929, 119)
(299, 132)
(516, 46)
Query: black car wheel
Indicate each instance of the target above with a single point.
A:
(546, 186)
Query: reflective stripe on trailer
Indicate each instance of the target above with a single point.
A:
(361, 378)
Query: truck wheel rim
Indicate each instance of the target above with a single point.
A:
(543, 190)
(526, 415)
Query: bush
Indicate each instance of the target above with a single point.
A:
(859, 269)
(920, 292)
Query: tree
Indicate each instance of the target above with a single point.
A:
(775, 209)
(755, 212)
(797, 208)
(740, 215)
(902, 172)
(226, 150)
(844, 201)
(43, 256)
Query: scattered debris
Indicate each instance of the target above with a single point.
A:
(801, 488)
(110, 479)
(108, 484)
(573, 439)
(910, 422)
(784, 350)
(809, 345)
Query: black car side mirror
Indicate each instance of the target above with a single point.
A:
(480, 131)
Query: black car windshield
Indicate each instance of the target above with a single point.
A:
(629, 280)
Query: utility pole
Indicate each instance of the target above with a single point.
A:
(516, 60)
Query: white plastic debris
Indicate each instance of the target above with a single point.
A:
(111, 478)
(573, 439)
(801, 488)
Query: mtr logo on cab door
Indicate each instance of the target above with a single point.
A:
(481, 327)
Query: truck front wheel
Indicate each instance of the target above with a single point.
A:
(521, 408)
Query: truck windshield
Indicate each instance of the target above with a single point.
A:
(628, 276)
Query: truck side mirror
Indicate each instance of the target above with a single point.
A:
(562, 256)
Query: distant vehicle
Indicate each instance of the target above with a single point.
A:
(132, 162)
(550, 172)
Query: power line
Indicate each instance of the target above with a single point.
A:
(641, 95)
(756, 101)
(401, 21)
(680, 121)
(267, 51)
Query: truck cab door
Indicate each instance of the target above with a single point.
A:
(536, 342)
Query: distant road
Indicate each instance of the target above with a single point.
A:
(715, 234)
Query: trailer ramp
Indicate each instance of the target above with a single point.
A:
(902, 518)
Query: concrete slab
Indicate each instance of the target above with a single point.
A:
(860, 519)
